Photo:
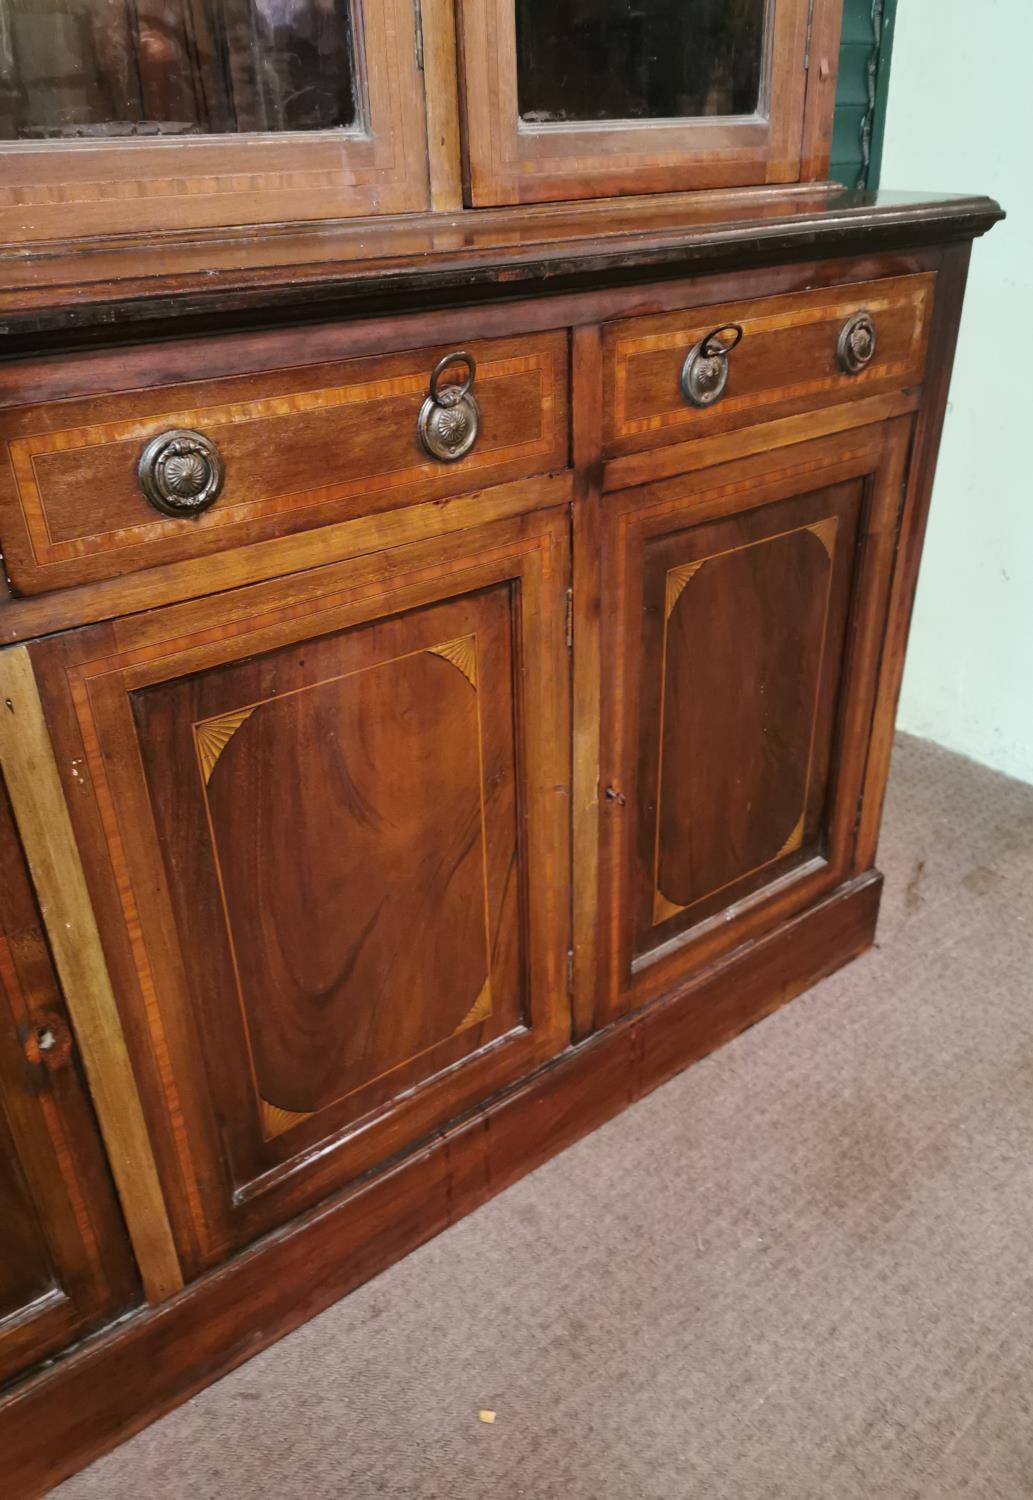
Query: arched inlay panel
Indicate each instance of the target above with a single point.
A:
(753, 687)
(743, 642)
(330, 823)
(375, 947)
(339, 825)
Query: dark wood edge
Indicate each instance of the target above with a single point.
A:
(145, 292)
(232, 567)
(116, 1383)
(950, 293)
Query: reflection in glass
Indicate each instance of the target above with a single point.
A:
(638, 59)
(118, 68)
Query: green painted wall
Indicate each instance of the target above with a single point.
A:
(958, 122)
(861, 94)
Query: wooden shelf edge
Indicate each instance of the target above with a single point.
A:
(92, 292)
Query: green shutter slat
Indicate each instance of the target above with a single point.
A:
(852, 86)
(846, 134)
(852, 91)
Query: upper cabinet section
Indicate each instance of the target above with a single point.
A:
(148, 115)
(595, 98)
(136, 117)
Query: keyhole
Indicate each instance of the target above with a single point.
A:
(45, 1039)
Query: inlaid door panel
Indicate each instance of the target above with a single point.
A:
(335, 812)
(741, 700)
(64, 1258)
(748, 617)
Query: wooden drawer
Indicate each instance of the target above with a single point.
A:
(302, 446)
(786, 362)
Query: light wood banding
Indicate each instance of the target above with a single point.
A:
(785, 363)
(42, 815)
(302, 447)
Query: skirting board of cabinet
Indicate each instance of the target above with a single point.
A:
(121, 1379)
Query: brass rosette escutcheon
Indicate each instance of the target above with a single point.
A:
(181, 473)
(704, 374)
(855, 348)
(450, 418)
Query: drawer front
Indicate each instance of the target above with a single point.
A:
(300, 447)
(786, 361)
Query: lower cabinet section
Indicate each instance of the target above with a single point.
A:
(325, 825)
(64, 1258)
(113, 1386)
(748, 606)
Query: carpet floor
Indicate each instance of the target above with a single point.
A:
(803, 1269)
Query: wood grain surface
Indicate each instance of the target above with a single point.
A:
(325, 821)
(785, 363)
(302, 445)
(44, 826)
(101, 187)
(511, 160)
(64, 1258)
(721, 806)
(394, 825)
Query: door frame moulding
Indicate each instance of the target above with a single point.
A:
(40, 811)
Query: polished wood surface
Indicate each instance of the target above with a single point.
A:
(24, 618)
(820, 104)
(303, 444)
(325, 822)
(733, 664)
(586, 602)
(921, 473)
(741, 661)
(510, 160)
(785, 363)
(42, 815)
(97, 186)
(100, 290)
(64, 1257)
(441, 85)
(397, 824)
(630, 470)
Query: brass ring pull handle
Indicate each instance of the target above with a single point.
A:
(855, 348)
(450, 418)
(181, 473)
(704, 374)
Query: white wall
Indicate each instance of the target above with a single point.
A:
(960, 119)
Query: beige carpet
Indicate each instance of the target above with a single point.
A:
(804, 1269)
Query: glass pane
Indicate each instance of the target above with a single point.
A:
(638, 59)
(115, 68)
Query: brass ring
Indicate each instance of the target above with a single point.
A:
(709, 352)
(452, 393)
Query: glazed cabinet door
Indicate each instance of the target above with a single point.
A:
(748, 604)
(64, 1260)
(595, 99)
(324, 822)
(150, 115)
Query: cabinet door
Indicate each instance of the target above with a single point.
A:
(64, 1259)
(594, 98)
(325, 828)
(138, 115)
(747, 611)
